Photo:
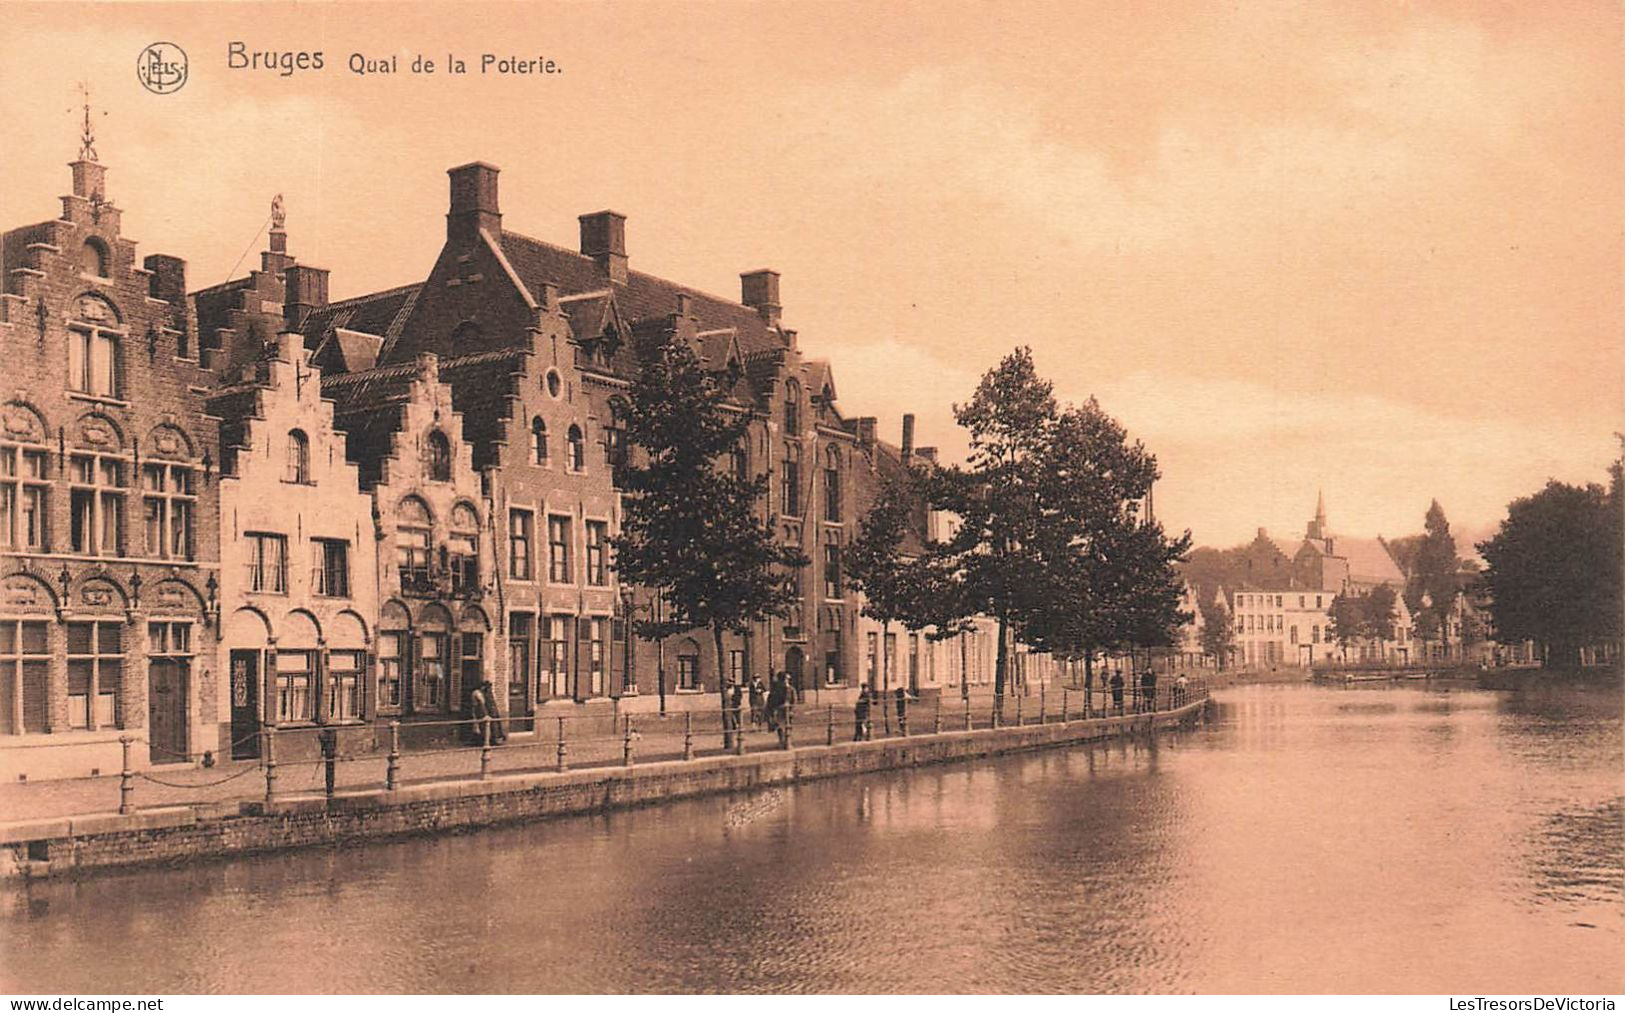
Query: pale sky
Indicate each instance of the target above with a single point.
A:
(1374, 249)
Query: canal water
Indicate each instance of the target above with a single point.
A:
(1388, 839)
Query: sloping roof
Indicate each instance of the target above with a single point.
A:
(642, 297)
(382, 314)
(1369, 561)
(347, 351)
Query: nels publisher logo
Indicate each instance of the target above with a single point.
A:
(161, 68)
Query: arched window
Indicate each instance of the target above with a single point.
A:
(412, 528)
(577, 449)
(790, 476)
(688, 665)
(298, 458)
(463, 555)
(832, 484)
(93, 260)
(739, 464)
(538, 441)
(439, 457)
(792, 408)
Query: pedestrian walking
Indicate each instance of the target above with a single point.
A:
(1117, 690)
(493, 718)
(737, 709)
(902, 711)
(1181, 689)
(477, 712)
(775, 702)
(758, 694)
(860, 717)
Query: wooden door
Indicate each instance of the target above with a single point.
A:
(166, 710)
(245, 705)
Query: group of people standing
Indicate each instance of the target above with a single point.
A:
(769, 702)
(870, 700)
(1145, 699)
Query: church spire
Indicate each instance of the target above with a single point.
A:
(1317, 527)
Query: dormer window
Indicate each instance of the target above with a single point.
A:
(94, 260)
(439, 457)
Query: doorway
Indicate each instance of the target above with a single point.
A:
(245, 705)
(166, 710)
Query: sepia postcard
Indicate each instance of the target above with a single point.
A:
(763, 498)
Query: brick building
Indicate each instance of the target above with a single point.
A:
(108, 499)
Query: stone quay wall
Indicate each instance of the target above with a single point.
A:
(78, 845)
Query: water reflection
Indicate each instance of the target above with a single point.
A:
(1309, 839)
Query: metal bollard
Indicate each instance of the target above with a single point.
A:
(485, 750)
(688, 735)
(563, 751)
(1043, 709)
(936, 720)
(626, 744)
(739, 735)
(967, 714)
(392, 771)
(1018, 709)
(1063, 705)
(270, 763)
(829, 731)
(126, 777)
(786, 726)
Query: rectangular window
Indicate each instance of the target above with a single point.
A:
(23, 498)
(832, 668)
(558, 549)
(330, 566)
(891, 659)
(832, 570)
(597, 553)
(913, 659)
(429, 675)
(344, 672)
(267, 562)
(558, 656)
(294, 673)
(871, 658)
(597, 652)
(521, 627)
(1294, 634)
(1317, 602)
(1314, 634)
(25, 665)
(464, 560)
(791, 489)
(521, 531)
(389, 670)
(168, 506)
(95, 665)
(93, 362)
(688, 671)
(412, 556)
(736, 666)
(471, 662)
(96, 505)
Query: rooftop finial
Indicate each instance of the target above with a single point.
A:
(87, 142)
(279, 217)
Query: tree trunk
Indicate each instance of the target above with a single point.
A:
(722, 686)
(885, 677)
(1001, 665)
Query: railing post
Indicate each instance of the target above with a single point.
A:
(787, 726)
(563, 750)
(829, 730)
(1063, 704)
(126, 777)
(392, 771)
(626, 745)
(967, 713)
(270, 762)
(1043, 710)
(485, 748)
(936, 720)
(1018, 709)
(688, 735)
(739, 733)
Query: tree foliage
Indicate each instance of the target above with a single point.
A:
(1553, 573)
(690, 528)
(1431, 585)
(1369, 617)
(1218, 629)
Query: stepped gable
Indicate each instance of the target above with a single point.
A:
(235, 405)
(643, 297)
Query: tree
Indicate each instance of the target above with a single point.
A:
(1347, 624)
(1431, 584)
(1381, 613)
(1218, 629)
(897, 586)
(993, 555)
(1553, 573)
(690, 528)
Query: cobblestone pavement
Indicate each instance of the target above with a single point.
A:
(655, 739)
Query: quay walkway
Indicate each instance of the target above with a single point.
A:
(79, 826)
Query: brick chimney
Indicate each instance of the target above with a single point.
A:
(926, 454)
(473, 203)
(307, 293)
(760, 291)
(89, 180)
(168, 281)
(866, 430)
(908, 436)
(603, 238)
